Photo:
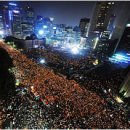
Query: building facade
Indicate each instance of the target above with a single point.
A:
(123, 44)
(27, 22)
(12, 20)
(101, 16)
(84, 26)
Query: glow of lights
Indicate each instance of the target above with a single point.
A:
(32, 87)
(110, 36)
(128, 25)
(118, 100)
(10, 15)
(1, 32)
(128, 54)
(40, 32)
(17, 82)
(44, 26)
(42, 61)
(51, 18)
(54, 28)
(13, 4)
(16, 11)
(75, 50)
(119, 56)
(96, 31)
(96, 41)
(35, 46)
(95, 62)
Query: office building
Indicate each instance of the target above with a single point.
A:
(29, 15)
(15, 20)
(107, 34)
(1, 25)
(101, 16)
(27, 22)
(110, 26)
(12, 20)
(123, 44)
(122, 17)
(27, 29)
(84, 27)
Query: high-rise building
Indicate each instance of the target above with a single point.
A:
(107, 34)
(1, 25)
(29, 14)
(12, 20)
(101, 15)
(6, 20)
(123, 44)
(15, 20)
(84, 26)
(27, 29)
(27, 22)
(122, 16)
(110, 26)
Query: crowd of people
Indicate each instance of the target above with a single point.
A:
(81, 69)
(70, 105)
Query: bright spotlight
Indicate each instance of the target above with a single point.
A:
(54, 28)
(44, 26)
(42, 61)
(119, 57)
(40, 32)
(1, 32)
(35, 46)
(75, 50)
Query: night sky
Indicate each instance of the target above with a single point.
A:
(66, 12)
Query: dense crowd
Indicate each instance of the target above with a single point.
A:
(70, 105)
(82, 69)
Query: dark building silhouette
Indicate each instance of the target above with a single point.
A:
(121, 10)
(123, 44)
(101, 15)
(84, 26)
(29, 14)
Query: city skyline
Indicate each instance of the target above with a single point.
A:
(64, 65)
(66, 12)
